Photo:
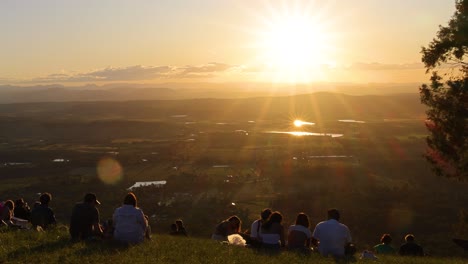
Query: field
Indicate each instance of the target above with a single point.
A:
(223, 157)
(54, 247)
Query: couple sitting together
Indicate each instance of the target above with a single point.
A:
(128, 224)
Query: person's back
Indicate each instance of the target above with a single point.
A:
(410, 248)
(83, 217)
(298, 236)
(255, 228)
(273, 232)
(42, 215)
(129, 222)
(384, 247)
(6, 212)
(332, 235)
(22, 210)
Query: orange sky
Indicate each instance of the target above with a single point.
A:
(107, 41)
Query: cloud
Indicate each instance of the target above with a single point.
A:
(375, 66)
(131, 73)
(138, 73)
(205, 70)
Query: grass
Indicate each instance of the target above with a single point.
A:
(53, 246)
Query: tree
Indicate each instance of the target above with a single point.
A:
(447, 100)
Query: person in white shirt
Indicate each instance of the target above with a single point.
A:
(331, 235)
(129, 221)
(255, 228)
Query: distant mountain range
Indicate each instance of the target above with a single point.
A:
(176, 91)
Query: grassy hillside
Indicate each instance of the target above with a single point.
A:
(24, 246)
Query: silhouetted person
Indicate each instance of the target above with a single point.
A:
(332, 235)
(273, 232)
(384, 247)
(42, 215)
(256, 227)
(181, 227)
(174, 231)
(84, 221)
(299, 234)
(227, 227)
(22, 210)
(6, 213)
(410, 248)
(130, 223)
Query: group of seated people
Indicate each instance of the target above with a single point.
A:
(128, 225)
(14, 213)
(329, 238)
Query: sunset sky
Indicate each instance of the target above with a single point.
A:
(151, 41)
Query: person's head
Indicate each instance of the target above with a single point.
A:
(174, 227)
(386, 239)
(90, 198)
(235, 222)
(9, 204)
(409, 238)
(303, 220)
(130, 199)
(333, 214)
(179, 223)
(265, 213)
(45, 198)
(275, 217)
(19, 202)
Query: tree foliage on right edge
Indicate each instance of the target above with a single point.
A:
(447, 100)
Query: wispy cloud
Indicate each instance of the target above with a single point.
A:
(139, 73)
(382, 66)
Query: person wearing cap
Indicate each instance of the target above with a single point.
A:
(84, 221)
(130, 223)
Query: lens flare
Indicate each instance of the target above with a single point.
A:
(109, 171)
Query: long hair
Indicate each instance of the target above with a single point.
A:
(275, 217)
(9, 204)
(235, 220)
(303, 220)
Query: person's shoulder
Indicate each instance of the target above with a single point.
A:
(256, 222)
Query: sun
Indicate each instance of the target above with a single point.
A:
(294, 42)
(300, 123)
(297, 123)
